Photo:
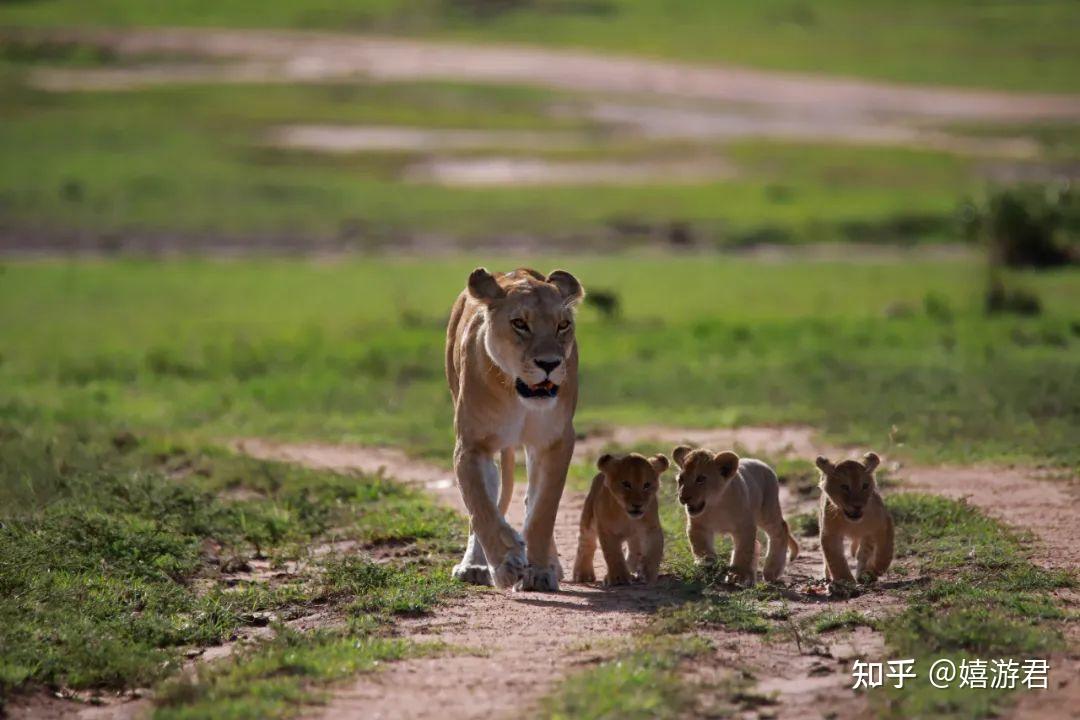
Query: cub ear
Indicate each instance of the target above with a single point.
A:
(728, 464)
(824, 465)
(679, 454)
(605, 463)
(659, 463)
(871, 461)
(483, 286)
(568, 285)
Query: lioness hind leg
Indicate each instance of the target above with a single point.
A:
(473, 568)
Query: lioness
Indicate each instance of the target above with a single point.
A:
(621, 507)
(851, 507)
(725, 494)
(511, 362)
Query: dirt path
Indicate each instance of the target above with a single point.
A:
(526, 642)
(309, 55)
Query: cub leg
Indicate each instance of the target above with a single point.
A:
(836, 566)
(883, 551)
(777, 556)
(617, 572)
(863, 556)
(652, 554)
(635, 552)
(701, 543)
(743, 556)
(586, 552)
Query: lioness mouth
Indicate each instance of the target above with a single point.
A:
(543, 389)
(696, 509)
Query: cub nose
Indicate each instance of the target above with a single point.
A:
(547, 365)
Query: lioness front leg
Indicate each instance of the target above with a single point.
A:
(502, 547)
(547, 476)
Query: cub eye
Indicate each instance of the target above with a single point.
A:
(845, 488)
(564, 326)
(646, 486)
(519, 324)
(866, 486)
(626, 484)
(700, 479)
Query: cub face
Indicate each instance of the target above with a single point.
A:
(703, 476)
(632, 480)
(849, 485)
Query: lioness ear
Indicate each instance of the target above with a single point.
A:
(728, 463)
(659, 463)
(483, 286)
(568, 285)
(871, 461)
(679, 454)
(605, 463)
(824, 465)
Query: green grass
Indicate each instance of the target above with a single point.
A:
(94, 163)
(1014, 46)
(353, 351)
(114, 555)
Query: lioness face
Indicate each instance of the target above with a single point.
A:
(850, 484)
(633, 480)
(703, 476)
(530, 327)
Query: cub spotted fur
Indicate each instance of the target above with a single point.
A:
(851, 507)
(723, 494)
(622, 508)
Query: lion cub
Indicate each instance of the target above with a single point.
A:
(724, 494)
(622, 508)
(851, 507)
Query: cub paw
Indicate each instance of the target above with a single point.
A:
(510, 570)
(584, 576)
(472, 574)
(614, 579)
(539, 579)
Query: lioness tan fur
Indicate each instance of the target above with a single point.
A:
(622, 508)
(723, 494)
(851, 507)
(511, 363)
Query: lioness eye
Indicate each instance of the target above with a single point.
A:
(564, 326)
(700, 479)
(519, 324)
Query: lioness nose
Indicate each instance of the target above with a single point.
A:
(547, 365)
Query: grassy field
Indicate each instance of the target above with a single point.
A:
(899, 356)
(93, 163)
(1028, 46)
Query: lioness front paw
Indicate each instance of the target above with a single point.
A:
(539, 579)
(742, 579)
(510, 570)
(472, 574)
